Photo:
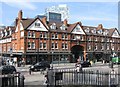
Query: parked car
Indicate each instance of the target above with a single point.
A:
(7, 69)
(40, 65)
(85, 64)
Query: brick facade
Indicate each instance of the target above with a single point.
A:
(37, 39)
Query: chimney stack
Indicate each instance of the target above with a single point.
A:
(65, 22)
(100, 26)
(44, 20)
(20, 15)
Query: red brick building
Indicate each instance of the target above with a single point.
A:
(35, 39)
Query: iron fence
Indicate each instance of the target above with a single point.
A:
(72, 77)
(12, 80)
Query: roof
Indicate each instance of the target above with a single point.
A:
(26, 22)
(58, 25)
(110, 31)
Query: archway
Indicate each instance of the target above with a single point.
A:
(77, 52)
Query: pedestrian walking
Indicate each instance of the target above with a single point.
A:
(46, 80)
(78, 67)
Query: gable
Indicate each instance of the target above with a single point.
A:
(115, 34)
(21, 27)
(37, 25)
(78, 30)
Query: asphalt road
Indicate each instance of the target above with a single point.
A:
(37, 78)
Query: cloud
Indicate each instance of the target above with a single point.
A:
(20, 4)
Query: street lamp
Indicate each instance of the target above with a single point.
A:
(52, 60)
(1, 55)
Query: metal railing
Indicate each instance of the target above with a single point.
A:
(12, 80)
(71, 77)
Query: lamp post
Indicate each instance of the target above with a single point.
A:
(1, 55)
(52, 60)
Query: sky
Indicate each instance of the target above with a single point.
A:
(89, 13)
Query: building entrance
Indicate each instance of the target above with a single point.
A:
(77, 53)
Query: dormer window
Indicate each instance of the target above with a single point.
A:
(87, 30)
(37, 25)
(94, 30)
(8, 33)
(53, 26)
(63, 27)
(106, 32)
(100, 31)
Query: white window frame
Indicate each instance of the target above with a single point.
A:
(56, 36)
(33, 45)
(63, 46)
(44, 44)
(29, 43)
(52, 45)
(33, 34)
(37, 25)
(56, 45)
(66, 46)
(53, 36)
(41, 35)
(29, 34)
(41, 45)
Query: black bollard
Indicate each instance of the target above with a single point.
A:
(29, 71)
